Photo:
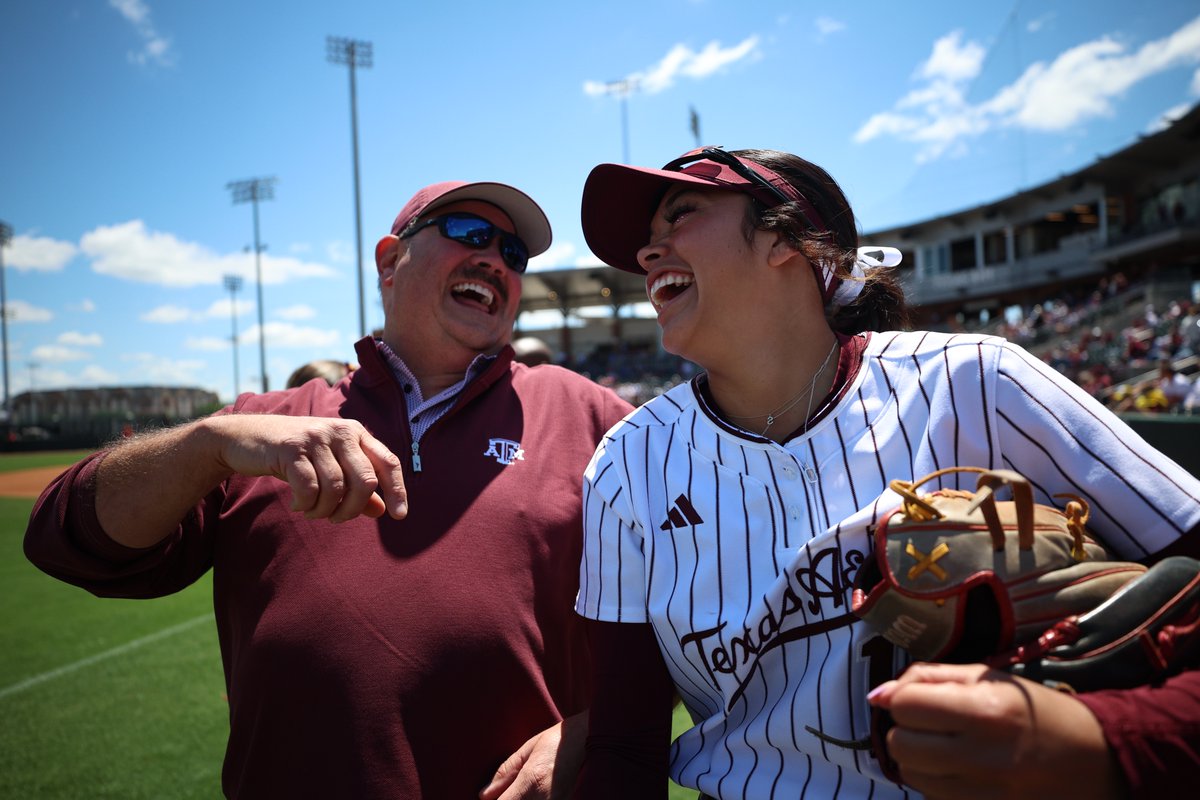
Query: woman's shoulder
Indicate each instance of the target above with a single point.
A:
(659, 413)
(893, 345)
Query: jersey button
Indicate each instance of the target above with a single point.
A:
(794, 512)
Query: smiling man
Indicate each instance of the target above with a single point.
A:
(424, 650)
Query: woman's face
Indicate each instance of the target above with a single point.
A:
(701, 272)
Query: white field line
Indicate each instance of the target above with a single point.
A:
(21, 686)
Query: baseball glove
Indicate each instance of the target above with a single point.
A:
(960, 577)
(1148, 630)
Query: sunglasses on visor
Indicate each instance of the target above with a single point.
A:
(476, 232)
(719, 156)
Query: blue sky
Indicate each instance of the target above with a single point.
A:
(124, 120)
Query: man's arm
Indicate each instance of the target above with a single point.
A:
(546, 765)
(146, 485)
(963, 730)
(626, 735)
(1154, 733)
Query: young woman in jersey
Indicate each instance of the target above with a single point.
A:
(726, 519)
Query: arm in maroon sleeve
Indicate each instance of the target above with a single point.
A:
(629, 732)
(65, 539)
(117, 524)
(1154, 731)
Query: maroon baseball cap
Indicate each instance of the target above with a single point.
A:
(619, 200)
(530, 221)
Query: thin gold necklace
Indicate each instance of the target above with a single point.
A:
(812, 385)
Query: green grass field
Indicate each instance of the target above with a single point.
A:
(107, 698)
(10, 462)
(104, 698)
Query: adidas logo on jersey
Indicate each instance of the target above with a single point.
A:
(681, 515)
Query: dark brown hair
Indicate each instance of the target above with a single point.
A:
(881, 304)
(328, 369)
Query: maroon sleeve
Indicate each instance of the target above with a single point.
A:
(629, 727)
(64, 539)
(1154, 732)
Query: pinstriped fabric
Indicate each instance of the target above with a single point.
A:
(744, 567)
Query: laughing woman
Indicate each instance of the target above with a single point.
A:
(726, 519)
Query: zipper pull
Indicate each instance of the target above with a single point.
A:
(416, 458)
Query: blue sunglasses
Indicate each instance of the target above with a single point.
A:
(476, 232)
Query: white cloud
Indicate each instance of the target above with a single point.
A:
(1035, 25)
(155, 47)
(133, 10)
(594, 88)
(84, 305)
(886, 123)
(46, 378)
(210, 344)
(341, 252)
(220, 309)
(1168, 118)
(1079, 84)
(57, 354)
(167, 315)
(828, 25)
(77, 339)
(38, 253)
(20, 311)
(558, 256)
(296, 312)
(286, 336)
(714, 58)
(953, 61)
(95, 374)
(163, 370)
(129, 251)
(681, 60)
(589, 259)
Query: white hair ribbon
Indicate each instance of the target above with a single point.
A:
(869, 258)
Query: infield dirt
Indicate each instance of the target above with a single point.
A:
(27, 482)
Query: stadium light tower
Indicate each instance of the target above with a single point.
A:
(251, 191)
(5, 238)
(354, 53)
(33, 409)
(622, 89)
(233, 283)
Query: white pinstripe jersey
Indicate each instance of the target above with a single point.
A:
(744, 567)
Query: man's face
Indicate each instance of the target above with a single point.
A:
(445, 300)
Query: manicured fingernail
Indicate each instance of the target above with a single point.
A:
(876, 692)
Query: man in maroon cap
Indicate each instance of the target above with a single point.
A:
(374, 648)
